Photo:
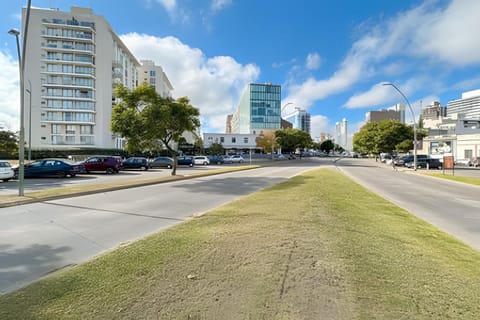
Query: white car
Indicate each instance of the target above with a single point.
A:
(6, 171)
(234, 159)
(201, 160)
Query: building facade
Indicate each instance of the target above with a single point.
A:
(300, 119)
(259, 109)
(341, 134)
(468, 107)
(73, 60)
(235, 143)
(154, 75)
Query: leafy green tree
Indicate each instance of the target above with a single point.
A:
(292, 139)
(146, 119)
(383, 136)
(216, 148)
(267, 141)
(327, 146)
(8, 144)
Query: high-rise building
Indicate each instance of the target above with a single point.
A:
(153, 75)
(300, 119)
(73, 60)
(341, 134)
(259, 109)
(468, 107)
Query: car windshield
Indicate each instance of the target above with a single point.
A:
(4, 164)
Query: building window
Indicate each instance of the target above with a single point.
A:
(222, 139)
(234, 140)
(245, 140)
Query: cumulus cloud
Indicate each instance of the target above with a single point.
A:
(319, 124)
(9, 92)
(313, 61)
(430, 33)
(213, 84)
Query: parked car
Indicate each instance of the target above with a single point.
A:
(423, 162)
(139, 163)
(6, 171)
(185, 161)
(234, 159)
(51, 168)
(201, 160)
(108, 164)
(402, 161)
(463, 162)
(218, 159)
(161, 162)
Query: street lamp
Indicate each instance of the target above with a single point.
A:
(29, 90)
(21, 138)
(284, 106)
(414, 124)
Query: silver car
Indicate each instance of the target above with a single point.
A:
(6, 171)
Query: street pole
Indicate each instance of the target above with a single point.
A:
(30, 121)
(414, 124)
(21, 138)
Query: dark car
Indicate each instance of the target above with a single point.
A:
(185, 161)
(139, 163)
(218, 159)
(50, 168)
(431, 163)
(108, 164)
(161, 162)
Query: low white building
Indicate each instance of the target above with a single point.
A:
(231, 142)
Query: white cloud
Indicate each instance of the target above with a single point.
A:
(219, 5)
(169, 5)
(431, 33)
(319, 124)
(9, 92)
(377, 95)
(313, 61)
(212, 84)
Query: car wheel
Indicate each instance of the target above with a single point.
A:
(143, 168)
(5, 180)
(169, 166)
(110, 170)
(190, 165)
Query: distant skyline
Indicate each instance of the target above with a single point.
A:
(330, 57)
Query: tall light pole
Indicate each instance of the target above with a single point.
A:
(29, 90)
(21, 138)
(21, 67)
(414, 124)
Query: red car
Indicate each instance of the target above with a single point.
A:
(108, 164)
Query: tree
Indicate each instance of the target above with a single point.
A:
(216, 148)
(8, 144)
(292, 139)
(145, 119)
(383, 136)
(267, 141)
(327, 146)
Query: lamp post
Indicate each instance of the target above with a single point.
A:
(21, 138)
(29, 90)
(414, 124)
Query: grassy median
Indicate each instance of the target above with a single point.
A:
(318, 246)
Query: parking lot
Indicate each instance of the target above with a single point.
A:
(36, 184)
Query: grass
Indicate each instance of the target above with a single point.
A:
(469, 180)
(316, 246)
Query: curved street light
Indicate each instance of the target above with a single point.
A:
(414, 124)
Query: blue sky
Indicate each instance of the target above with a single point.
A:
(330, 57)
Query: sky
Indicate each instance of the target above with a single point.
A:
(331, 57)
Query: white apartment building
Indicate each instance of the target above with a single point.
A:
(73, 60)
(153, 75)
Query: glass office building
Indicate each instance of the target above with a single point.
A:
(259, 109)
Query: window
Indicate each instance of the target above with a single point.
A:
(234, 140)
(245, 140)
(222, 139)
